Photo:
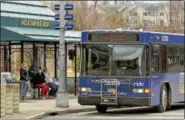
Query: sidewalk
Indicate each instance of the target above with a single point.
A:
(34, 108)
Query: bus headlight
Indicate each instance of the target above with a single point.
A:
(138, 90)
(85, 89)
(146, 91)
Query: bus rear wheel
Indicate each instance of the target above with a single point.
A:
(163, 100)
(101, 108)
(169, 100)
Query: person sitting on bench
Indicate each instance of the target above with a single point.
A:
(49, 81)
(39, 81)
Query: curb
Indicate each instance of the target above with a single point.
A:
(56, 113)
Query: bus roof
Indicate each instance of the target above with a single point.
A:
(127, 31)
(145, 36)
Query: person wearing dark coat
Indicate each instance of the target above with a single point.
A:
(39, 81)
(24, 77)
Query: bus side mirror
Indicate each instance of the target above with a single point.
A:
(71, 53)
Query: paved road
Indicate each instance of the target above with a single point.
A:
(177, 112)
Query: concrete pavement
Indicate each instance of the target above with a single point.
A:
(42, 108)
(39, 108)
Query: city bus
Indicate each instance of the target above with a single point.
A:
(130, 68)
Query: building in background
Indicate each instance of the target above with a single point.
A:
(143, 14)
(149, 15)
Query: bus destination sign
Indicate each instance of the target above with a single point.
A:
(112, 37)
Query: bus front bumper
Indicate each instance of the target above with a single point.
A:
(122, 101)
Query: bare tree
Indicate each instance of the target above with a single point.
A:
(88, 16)
(177, 16)
(95, 3)
(174, 15)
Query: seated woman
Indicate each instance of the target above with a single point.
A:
(49, 81)
(39, 81)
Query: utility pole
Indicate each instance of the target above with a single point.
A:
(62, 94)
(65, 23)
(170, 16)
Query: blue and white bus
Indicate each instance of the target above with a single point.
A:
(131, 68)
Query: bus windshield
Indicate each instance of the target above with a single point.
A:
(114, 60)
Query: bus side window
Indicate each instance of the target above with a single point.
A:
(181, 61)
(155, 63)
(155, 59)
(173, 59)
(148, 67)
(163, 51)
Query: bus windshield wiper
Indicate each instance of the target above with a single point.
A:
(123, 74)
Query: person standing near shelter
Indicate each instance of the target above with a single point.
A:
(39, 81)
(24, 77)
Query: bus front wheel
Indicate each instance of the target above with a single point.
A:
(101, 108)
(163, 100)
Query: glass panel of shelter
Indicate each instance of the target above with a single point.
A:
(40, 55)
(28, 53)
(70, 70)
(45, 57)
(70, 64)
(50, 59)
(2, 59)
(15, 56)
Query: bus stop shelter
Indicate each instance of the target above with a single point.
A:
(28, 34)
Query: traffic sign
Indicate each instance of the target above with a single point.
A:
(57, 26)
(68, 17)
(57, 16)
(68, 6)
(57, 6)
(68, 26)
